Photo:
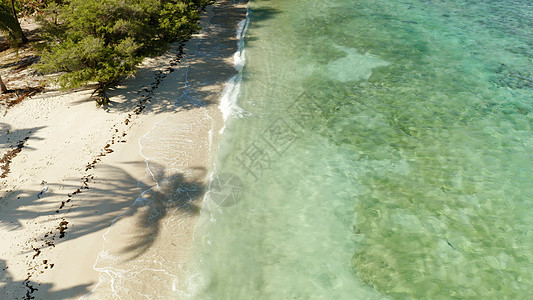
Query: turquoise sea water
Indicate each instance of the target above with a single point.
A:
(381, 149)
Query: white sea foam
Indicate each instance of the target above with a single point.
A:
(195, 280)
(228, 102)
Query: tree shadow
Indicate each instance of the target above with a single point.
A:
(173, 195)
(28, 289)
(262, 14)
(10, 137)
(21, 63)
(11, 144)
(186, 76)
(112, 199)
(94, 206)
(97, 206)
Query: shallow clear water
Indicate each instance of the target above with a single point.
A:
(381, 149)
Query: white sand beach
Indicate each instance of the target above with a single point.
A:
(69, 170)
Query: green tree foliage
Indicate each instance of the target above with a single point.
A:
(10, 27)
(32, 7)
(9, 23)
(26, 7)
(102, 41)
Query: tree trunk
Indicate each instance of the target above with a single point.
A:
(14, 12)
(3, 88)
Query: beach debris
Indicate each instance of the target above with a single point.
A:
(92, 164)
(49, 243)
(41, 193)
(108, 149)
(62, 228)
(21, 94)
(5, 161)
(118, 136)
(30, 291)
(85, 181)
(37, 252)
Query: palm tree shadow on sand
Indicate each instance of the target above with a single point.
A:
(139, 225)
(142, 225)
(175, 197)
(149, 242)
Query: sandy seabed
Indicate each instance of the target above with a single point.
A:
(102, 203)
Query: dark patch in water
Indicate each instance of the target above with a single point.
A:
(513, 78)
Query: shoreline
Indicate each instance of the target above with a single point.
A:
(80, 170)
